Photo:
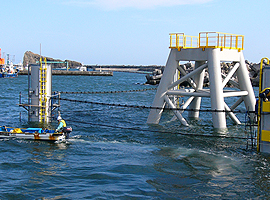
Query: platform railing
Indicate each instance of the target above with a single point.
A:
(176, 40)
(207, 40)
(221, 40)
(180, 40)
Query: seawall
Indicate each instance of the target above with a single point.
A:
(125, 68)
(75, 73)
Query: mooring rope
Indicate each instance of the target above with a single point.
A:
(107, 92)
(151, 107)
(136, 106)
(148, 107)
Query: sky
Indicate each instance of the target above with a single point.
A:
(126, 32)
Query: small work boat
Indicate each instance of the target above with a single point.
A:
(8, 75)
(8, 71)
(35, 133)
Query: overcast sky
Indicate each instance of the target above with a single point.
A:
(134, 32)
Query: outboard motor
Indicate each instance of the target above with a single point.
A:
(67, 131)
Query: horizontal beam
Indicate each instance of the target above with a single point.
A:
(204, 93)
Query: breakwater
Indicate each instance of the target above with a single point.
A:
(125, 68)
(75, 73)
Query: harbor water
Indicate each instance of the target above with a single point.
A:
(114, 154)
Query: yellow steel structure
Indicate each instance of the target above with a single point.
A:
(42, 91)
(266, 106)
(265, 136)
(207, 40)
(262, 135)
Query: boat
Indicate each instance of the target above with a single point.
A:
(8, 75)
(34, 133)
(8, 71)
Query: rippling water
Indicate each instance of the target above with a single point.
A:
(114, 154)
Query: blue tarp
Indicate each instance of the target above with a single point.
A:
(33, 130)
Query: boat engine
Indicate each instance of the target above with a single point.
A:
(67, 131)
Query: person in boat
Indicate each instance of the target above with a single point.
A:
(265, 94)
(61, 124)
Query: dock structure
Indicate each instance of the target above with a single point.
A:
(207, 50)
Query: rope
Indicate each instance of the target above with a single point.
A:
(108, 92)
(143, 107)
(151, 107)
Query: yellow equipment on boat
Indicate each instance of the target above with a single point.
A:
(263, 136)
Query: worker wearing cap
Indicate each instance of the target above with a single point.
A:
(61, 124)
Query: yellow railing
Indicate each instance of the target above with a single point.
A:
(180, 40)
(221, 40)
(207, 40)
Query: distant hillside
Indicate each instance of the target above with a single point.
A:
(31, 58)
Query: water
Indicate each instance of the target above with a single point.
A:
(114, 154)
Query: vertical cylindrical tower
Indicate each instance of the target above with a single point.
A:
(39, 91)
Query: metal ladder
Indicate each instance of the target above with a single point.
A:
(42, 91)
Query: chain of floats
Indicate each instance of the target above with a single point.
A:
(150, 107)
(136, 106)
(108, 92)
(142, 107)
